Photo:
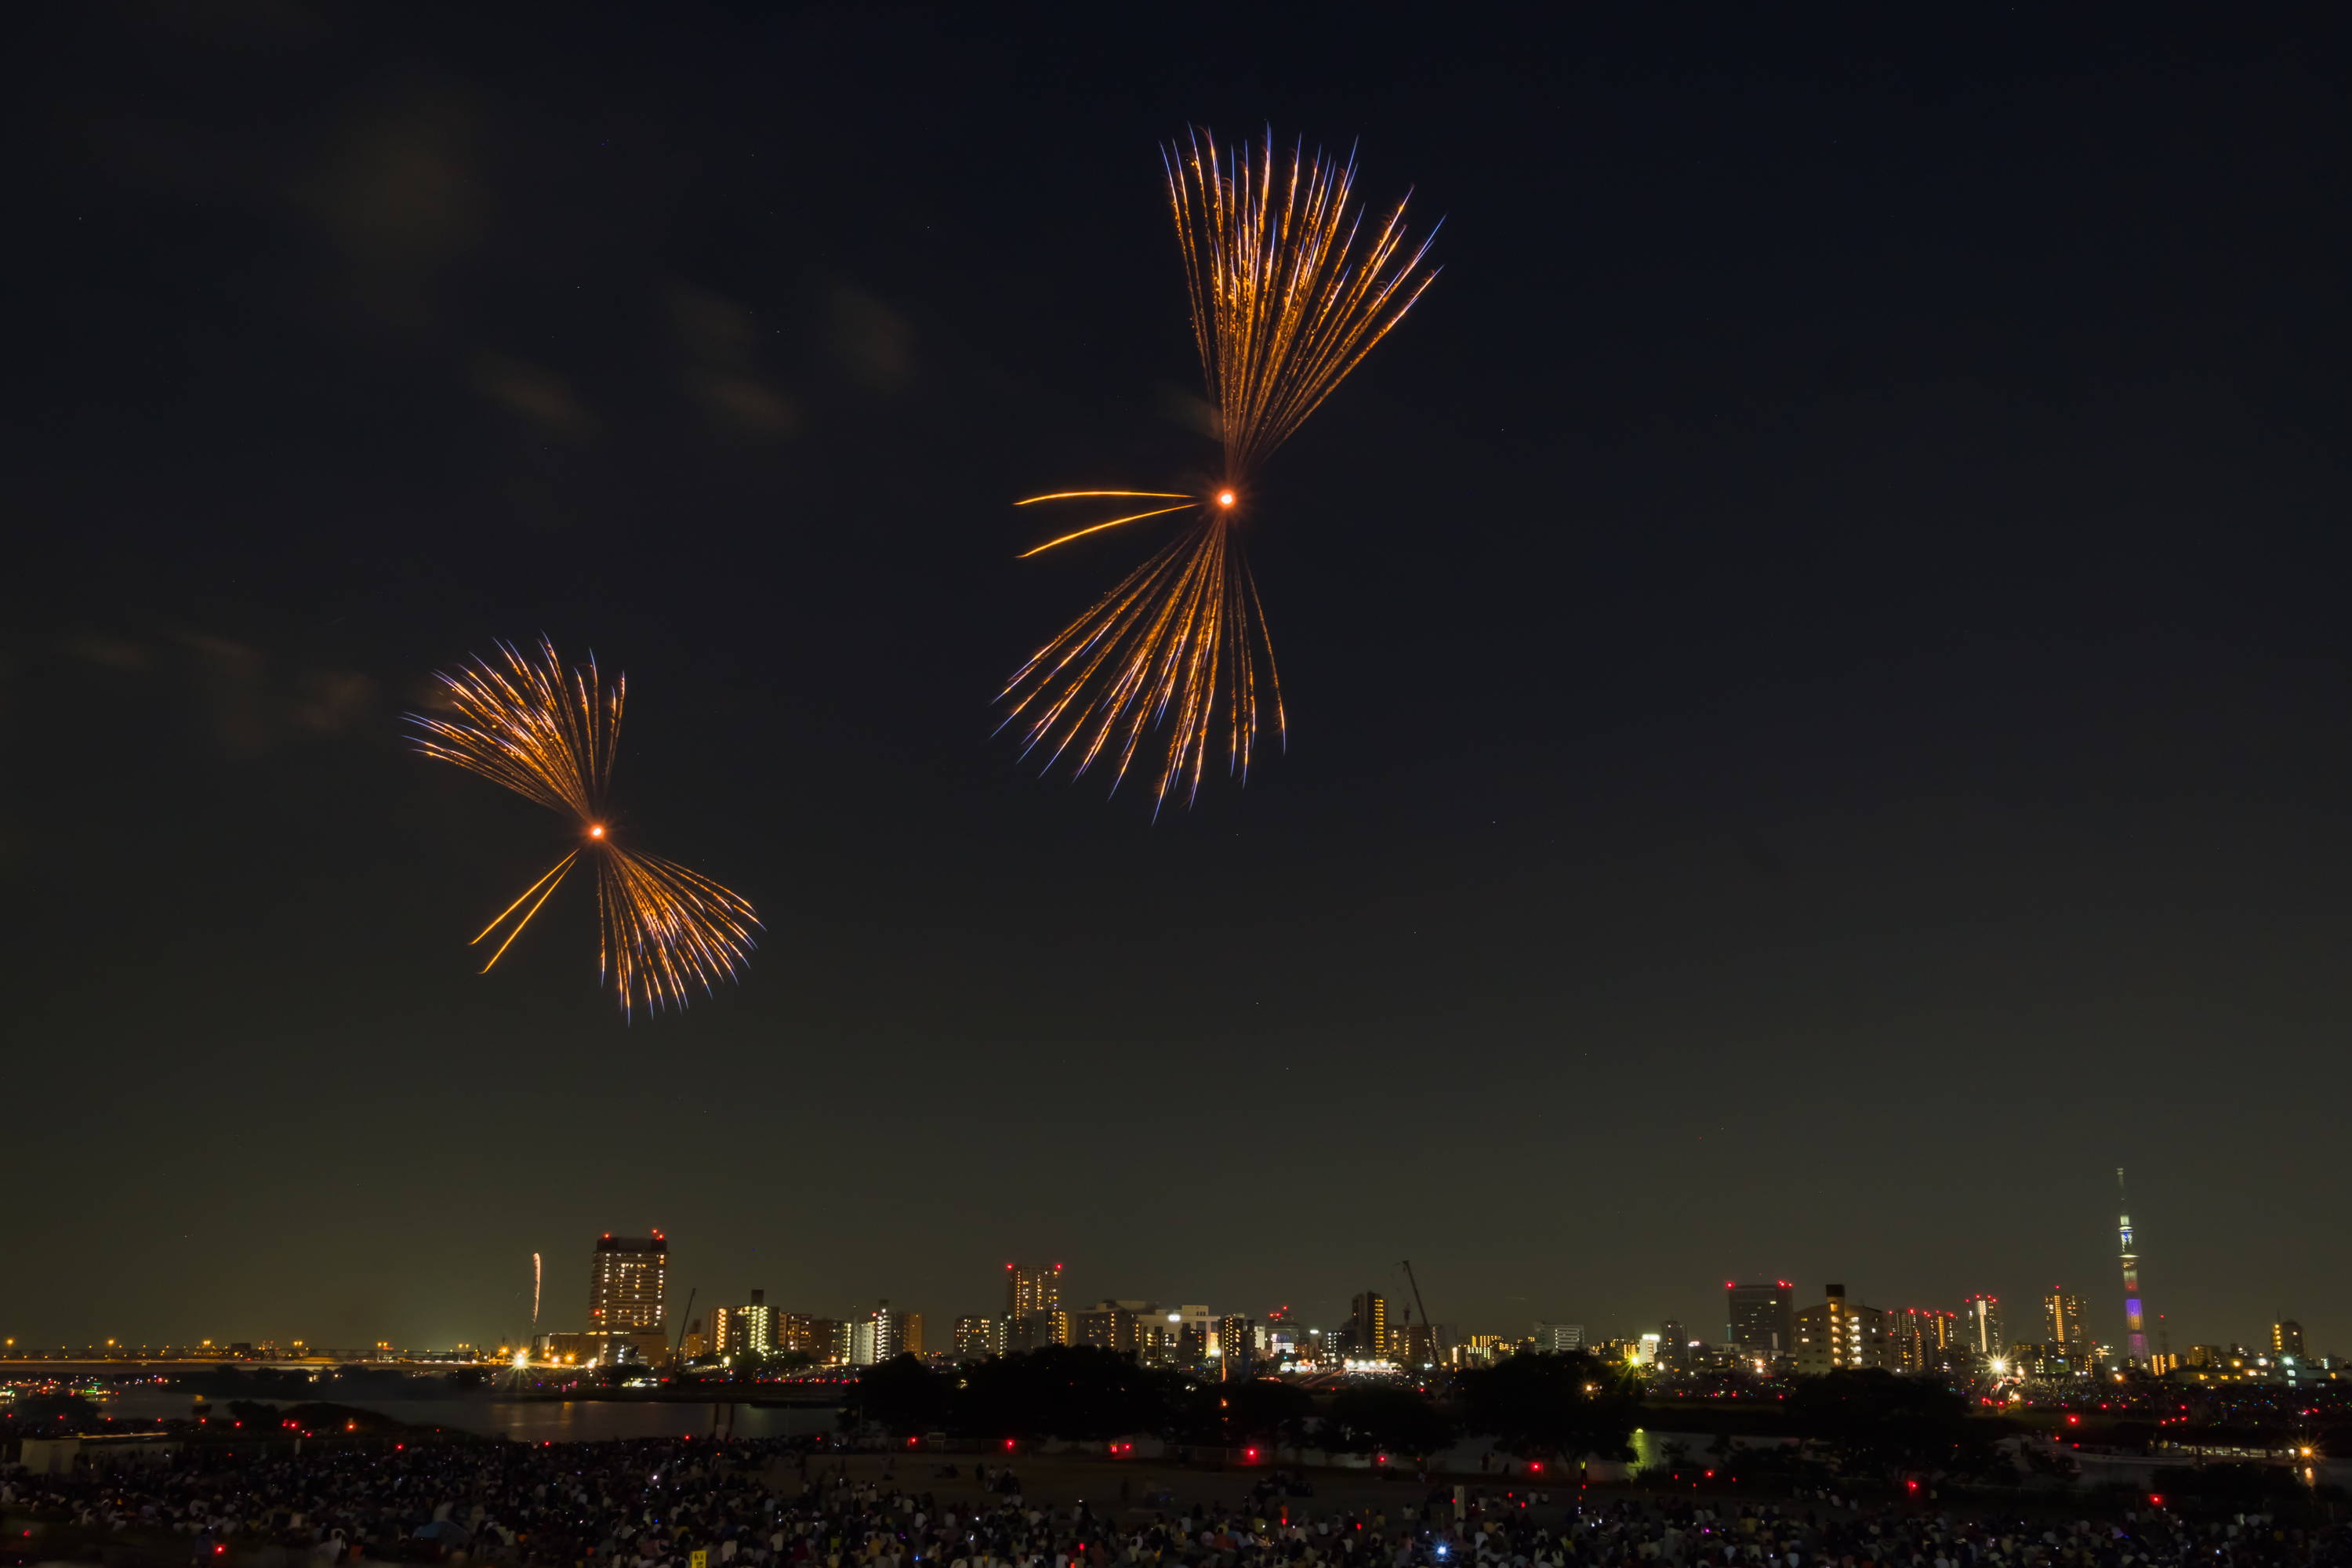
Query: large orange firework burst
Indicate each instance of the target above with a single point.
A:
(1289, 291)
(549, 734)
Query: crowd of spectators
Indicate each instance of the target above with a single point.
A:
(772, 1504)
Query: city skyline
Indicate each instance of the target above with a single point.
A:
(627, 1294)
(1813, 672)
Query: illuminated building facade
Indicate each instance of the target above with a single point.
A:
(628, 1286)
(746, 1330)
(877, 1336)
(1237, 1346)
(1111, 1325)
(1839, 1334)
(2286, 1338)
(1981, 1327)
(1368, 1326)
(1036, 1329)
(1556, 1339)
(1028, 1290)
(978, 1338)
(1762, 1318)
(1924, 1339)
(1032, 1306)
(2062, 1322)
(798, 1335)
(2049, 1363)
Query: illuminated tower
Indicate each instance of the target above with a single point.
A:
(2134, 1326)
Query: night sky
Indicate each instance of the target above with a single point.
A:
(1821, 697)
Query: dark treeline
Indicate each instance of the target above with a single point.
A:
(1538, 1406)
(1858, 1425)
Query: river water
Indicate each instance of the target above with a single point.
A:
(541, 1421)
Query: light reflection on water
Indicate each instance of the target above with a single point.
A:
(537, 1421)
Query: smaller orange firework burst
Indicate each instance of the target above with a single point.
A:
(548, 735)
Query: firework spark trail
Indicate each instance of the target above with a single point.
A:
(1288, 293)
(550, 736)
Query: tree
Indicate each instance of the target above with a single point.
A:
(1566, 1407)
(1083, 1393)
(1266, 1410)
(903, 1396)
(1876, 1424)
(1391, 1420)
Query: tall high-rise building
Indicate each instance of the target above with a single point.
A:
(1981, 1327)
(1674, 1345)
(2062, 1317)
(877, 1336)
(1237, 1344)
(1368, 1325)
(1761, 1320)
(1032, 1289)
(1032, 1306)
(628, 1287)
(1840, 1334)
(911, 1333)
(2135, 1322)
(2286, 1338)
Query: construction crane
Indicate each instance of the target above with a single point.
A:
(1422, 1306)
